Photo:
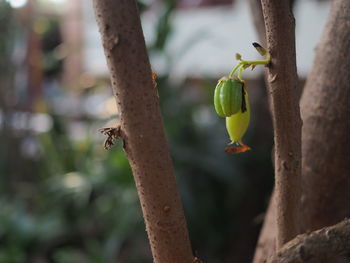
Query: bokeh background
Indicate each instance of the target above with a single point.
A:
(63, 198)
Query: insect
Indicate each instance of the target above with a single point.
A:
(112, 133)
(154, 79)
(154, 82)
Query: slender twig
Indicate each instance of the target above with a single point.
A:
(283, 89)
(142, 131)
(318, 246)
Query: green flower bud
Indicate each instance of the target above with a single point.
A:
(228, 97)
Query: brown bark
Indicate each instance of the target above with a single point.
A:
(267, 240)
(142, 131)
(325, 108)
(266, 245)
(283, 88)
(317, 247)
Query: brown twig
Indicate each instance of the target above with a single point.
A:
(142, 130)
(318, 246)
(283, 89)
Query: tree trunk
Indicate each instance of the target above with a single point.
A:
(325, 108)
(142, 131)
(284, 93)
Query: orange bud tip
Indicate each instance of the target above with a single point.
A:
(235, 150)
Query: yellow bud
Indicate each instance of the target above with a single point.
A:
(238, 123)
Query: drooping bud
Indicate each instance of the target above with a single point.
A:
(238, 123)
(228, 96)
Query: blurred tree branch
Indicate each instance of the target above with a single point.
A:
(326, 109)
(266, 245)
(318, 246)
(142, 130)
(328, 84)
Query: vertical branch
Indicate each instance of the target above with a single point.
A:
(283, 89)
(267, 240)
(142, 131)
(325, 109)
(266, 244)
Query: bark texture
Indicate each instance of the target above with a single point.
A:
(142, 131)
(266, 246)
(283, 89)
(320, 246)
(325, 110)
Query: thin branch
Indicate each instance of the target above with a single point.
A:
(283, 89)
(318, 246)
(142, 130)
(266, 245)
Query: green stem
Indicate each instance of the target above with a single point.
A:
(239, 75)
(257, 62)
(247, 63)
(234, 69)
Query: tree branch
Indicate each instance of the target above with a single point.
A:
(266, 246)
(283, 88)
(325, 110)
(318, 246)
(142, 131)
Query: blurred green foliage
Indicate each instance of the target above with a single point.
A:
(163, 26)
(72, 201)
